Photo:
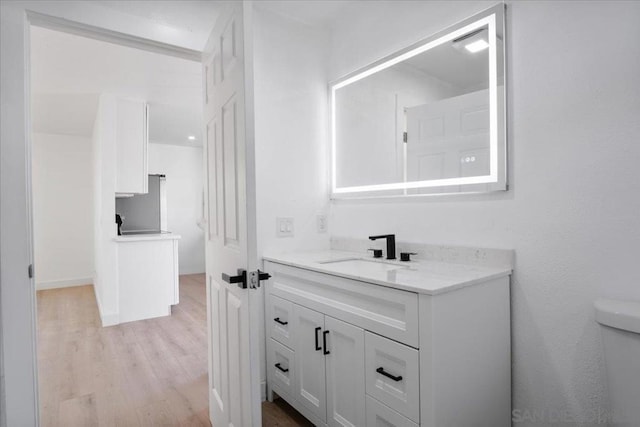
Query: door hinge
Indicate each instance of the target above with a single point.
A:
(30, 271)
(405, 137)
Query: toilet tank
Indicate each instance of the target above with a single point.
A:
(620, 322)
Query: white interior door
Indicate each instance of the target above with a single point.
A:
(234, 372)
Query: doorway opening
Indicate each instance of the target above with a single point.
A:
(97, 361)
(122, 315)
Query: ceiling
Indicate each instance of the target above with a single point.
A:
(455, 66)
(311, 12)
(196, 18)
(69, 71)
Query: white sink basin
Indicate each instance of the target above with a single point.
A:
(362, 266)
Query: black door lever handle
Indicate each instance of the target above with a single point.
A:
(240, 279)
(263, 276)
(277, 320)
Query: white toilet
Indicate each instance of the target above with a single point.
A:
(620, 322)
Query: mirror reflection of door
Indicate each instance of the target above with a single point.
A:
(448, 138)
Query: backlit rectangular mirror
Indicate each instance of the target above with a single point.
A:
(429, 119)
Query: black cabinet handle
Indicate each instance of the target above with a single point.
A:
(277, 319)
(324, 342)
(281, 368)
(318, 348)
(381, 371)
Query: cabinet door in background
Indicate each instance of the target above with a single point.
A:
(131, 146)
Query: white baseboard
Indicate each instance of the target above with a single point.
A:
(67, 283)
(263, 390)
(107, 319)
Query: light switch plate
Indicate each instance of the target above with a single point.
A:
(321, 223)
(284, 227)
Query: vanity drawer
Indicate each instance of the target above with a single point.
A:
(392, 375)
(383, 310)
(379, 415)
(279, 320)
(280, 365)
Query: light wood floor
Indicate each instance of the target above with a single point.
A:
(145, 373)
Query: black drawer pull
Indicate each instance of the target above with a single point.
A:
(277, 319)
(381, 371)
(318, 348)
(324, 342)
(281, 368)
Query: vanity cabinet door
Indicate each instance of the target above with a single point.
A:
(345, 374)
(310, 388)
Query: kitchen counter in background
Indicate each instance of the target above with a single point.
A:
(147, 275)
(146, 236)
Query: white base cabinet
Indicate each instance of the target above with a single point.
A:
(347, 353)
(147, 277)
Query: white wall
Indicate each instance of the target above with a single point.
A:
(290, 133)
(290, 129)
(104, 210)
(183, 168)
(573, 211)
(62, 170)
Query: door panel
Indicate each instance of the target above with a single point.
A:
(441, 134)
(235, 338)
(212, 155)
(345, 374)
(230, 169)
(234, 366)
(310, 387)
(216, 379)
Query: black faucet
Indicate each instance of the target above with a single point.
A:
(391, 244)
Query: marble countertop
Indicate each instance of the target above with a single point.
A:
(146, 237)
(421, 276)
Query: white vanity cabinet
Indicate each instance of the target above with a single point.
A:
(344, 352)
(318, 370)
(132, 138)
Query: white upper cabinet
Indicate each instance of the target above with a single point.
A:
(132, 138)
